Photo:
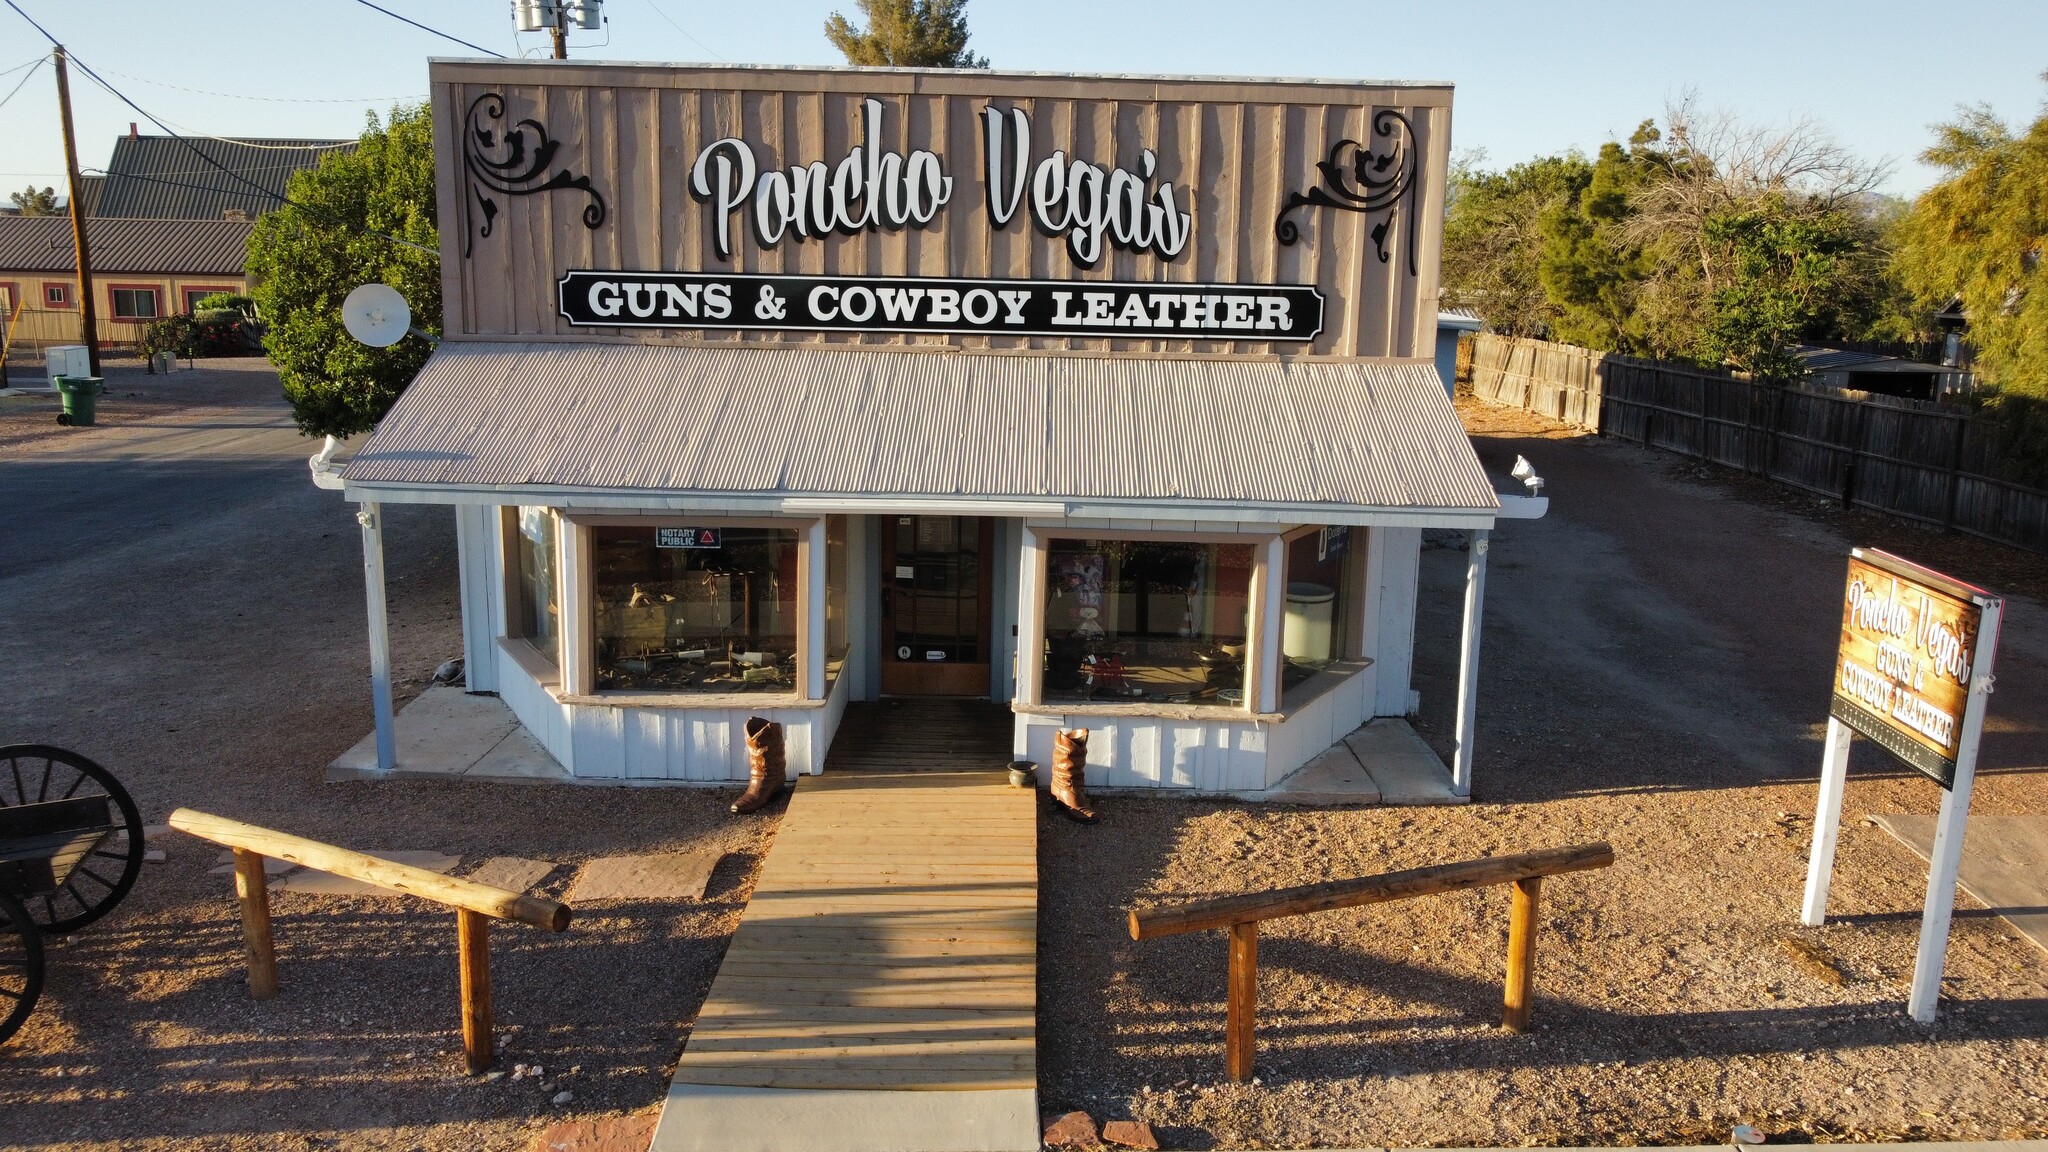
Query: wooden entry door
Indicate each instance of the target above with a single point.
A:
(935, 605)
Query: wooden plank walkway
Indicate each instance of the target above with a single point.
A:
(891, 942)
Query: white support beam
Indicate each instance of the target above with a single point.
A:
(1468, 660)
(371, 517)
(816, 564)
(1827, 823)
(1272, 621)
(1030, 617)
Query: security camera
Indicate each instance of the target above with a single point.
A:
(1526, 473)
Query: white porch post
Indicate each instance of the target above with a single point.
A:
(1468, 661)
(371, 517)
(816, 564)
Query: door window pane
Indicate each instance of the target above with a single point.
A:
(695, 619)
(537, 614)
(1128, 620)
(934, 590)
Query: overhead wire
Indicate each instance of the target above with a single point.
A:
(24, 80)
(117, 94)
(268, 99)
(684, 31)
(435, 31)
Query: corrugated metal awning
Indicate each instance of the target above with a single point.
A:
(821, 423)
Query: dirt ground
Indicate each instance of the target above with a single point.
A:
(1655, 670)
(1654, 674)
(196, 624)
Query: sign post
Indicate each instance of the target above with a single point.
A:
(1913, 674)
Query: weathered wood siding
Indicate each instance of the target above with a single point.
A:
(1234, 149)
(1921, 460)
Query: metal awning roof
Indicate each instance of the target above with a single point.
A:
(1192, 437)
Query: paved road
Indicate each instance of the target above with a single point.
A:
(174, 584)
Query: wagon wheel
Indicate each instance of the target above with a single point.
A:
(32, 773)
(21, 966)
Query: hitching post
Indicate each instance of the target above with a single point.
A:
(1947, 859)
(1827, 822)
(371, 517)
(1468, 660)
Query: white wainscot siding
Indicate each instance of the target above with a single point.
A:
(539, 712)
(1154, 752)
(1312, 728)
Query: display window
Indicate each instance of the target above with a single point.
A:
(836, 621)
(695, 610)
(535, 604)
(1141, 620)
(1318, 596)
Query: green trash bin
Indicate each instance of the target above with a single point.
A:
(80, 399)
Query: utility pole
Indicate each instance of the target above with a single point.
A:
(88, 313)
(561, 31)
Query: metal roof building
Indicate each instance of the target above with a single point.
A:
(198, 247)
(195, 178)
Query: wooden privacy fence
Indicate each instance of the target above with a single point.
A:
(1924, 461)
(1241, 916)
(475, 906)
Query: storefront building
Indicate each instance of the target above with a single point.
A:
(767, 390)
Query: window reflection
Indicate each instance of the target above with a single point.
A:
(675, 614)
(1133, 620)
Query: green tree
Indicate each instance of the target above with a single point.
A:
(1592, 270)
(34, 201)
(1493, 242)
(906, 34)
(1779, 269)
(306, 260)
(1980, 234)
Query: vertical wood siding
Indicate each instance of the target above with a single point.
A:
(1233, 150)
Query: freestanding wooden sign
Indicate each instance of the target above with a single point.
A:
(1912, 674)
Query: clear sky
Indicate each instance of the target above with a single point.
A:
(1532, 78)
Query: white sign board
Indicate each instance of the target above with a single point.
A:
(1912, 674)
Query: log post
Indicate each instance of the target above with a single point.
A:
(253, 890)
(473, 946)
(1521, 979)
(1243, 1000)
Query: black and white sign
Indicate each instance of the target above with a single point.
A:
(686, 538)
(912, 304)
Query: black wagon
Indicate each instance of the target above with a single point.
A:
(70, 848)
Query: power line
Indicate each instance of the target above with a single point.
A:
(424, 28)
(199, 152)
(267, 99)
(684, 31)
(25, 64)
(24, 80)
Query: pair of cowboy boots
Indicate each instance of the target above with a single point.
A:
(1070, 775)
(767, 774)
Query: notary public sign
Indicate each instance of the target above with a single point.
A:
(1909, 644)
(728, 301)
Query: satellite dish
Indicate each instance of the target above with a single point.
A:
(376, 315)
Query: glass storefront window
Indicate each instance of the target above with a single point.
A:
(835, 589)
(675, 615)
(536, 615)
(1129, 620)
(1314, 617)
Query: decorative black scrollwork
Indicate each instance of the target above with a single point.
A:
(1359, 179)
(498, 160)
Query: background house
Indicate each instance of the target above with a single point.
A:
(168, 222)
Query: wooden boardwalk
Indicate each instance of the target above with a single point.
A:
(891, 941)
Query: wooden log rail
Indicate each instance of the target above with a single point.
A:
(476, 905)
(1240, 915)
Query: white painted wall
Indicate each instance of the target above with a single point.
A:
(1145, 751)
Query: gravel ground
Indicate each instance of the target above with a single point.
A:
(1654, 674)
(204, 639)
(1656, 657)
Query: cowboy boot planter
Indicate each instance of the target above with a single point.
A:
(766, 775)
(1070, 774)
